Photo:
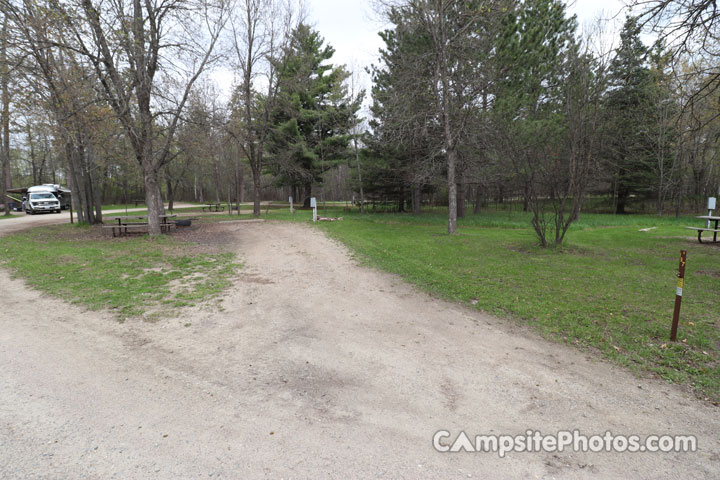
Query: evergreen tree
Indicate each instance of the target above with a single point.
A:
(535, 55)
(429, 91)
(404, 152)
(628, 108)
(313, 116)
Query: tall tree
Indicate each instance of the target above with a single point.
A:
(544, 110)
(448, 42)
(406, 142)
(5, 101)
(690, 29)
(63, 84)
(627, 105)
(261, 31)
(313, 114)
(661, 131)
(129, 60)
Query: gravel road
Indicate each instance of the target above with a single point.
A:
(315, 367)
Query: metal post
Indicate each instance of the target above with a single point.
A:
(711, 206)
(678, 295)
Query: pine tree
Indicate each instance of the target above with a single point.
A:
(403, 150)
(628, 108)
(313, 116)
(535, 53)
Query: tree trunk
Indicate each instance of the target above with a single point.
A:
(83, 174)
(5, 87)
(216, 174)
(360, 182)
(94, 184)
(461, 201)
(241, 183)
(170, 193)
(307, 193)
(77, 185)
(416, 199)
(452, 191)
(153, 200)
(442, 71)
(622, 197)
(478, 200)
(238, 181)
(256, 194)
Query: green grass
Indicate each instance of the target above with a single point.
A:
(197, 206)
(130, 276)
(122, 206)
(141, 210)
(610, 288)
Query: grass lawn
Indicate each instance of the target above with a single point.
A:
(197, 207)
(611, 287)
(122, 206)
(130, 276)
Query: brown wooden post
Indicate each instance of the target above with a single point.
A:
(678, 295)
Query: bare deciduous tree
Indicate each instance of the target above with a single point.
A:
(136, 46)
(5, 113)
(261, 30)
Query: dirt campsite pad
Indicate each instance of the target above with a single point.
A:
(314, 367)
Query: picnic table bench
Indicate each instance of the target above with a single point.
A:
(707, 228)
(124, 226)
(213, 207)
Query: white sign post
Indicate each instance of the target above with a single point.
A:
(711, 207)
(313, 204)
(292, 210)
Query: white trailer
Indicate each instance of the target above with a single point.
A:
(46, 198)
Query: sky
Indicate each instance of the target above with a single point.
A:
(352, 26)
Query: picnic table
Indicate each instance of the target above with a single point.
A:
(707, 228)
(125, 226)
(213, 207)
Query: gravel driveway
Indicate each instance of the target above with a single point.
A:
(314, 368)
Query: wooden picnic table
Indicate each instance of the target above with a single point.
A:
(123, 226)
(700, 230)
(213, 207)
(128, 217)
(163, 218)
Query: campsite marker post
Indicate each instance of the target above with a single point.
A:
(678, 295)
(292, 210)
(313, 205)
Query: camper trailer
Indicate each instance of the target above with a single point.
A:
(46, 198)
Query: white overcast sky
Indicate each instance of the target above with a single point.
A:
(352, 26)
